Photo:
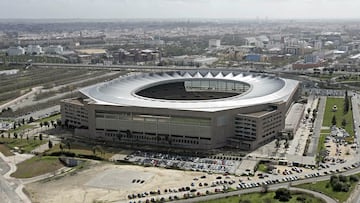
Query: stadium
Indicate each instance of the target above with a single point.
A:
(184, 109)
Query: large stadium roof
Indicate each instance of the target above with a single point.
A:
(121, 91)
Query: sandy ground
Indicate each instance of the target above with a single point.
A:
(108, 182)
(91, 51)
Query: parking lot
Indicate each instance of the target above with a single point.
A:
(190, 163)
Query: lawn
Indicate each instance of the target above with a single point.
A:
(81, 150)
(262, 168)
(51, 118)
(325, 131)
(5, 150)
(21, 128)
(323, 187)
(263, 197)
(23, 144)
(321, 144)
(339, 114)
(37, 166)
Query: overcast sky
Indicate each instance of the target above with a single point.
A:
(241, 9)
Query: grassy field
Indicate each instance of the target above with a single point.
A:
(23, 144)
(262, 168)
(321, 144)
(51, 118)
(339, 114)
(5, 150)
(23, 127)
(263, 197)
(325, 131)
(37, 166)
(78, 150)
(323, 187)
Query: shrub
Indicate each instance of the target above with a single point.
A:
(354, 178)
(282, 194)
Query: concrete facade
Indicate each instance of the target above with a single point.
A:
(245, 127)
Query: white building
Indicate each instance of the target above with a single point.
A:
(34, 49)
(52, 49)
(214, 43)
(15, 51)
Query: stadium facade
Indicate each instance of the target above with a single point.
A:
(184, 109)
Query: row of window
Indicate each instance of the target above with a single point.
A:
(154, 118)
(148, 138)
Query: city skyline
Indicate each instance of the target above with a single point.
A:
(162, 9)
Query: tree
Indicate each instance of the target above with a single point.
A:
(15, 135)
(333, 121)
(264, 188)
(308, 110)
(354, 178)
(61, 147)
(31, 119)
(50, 144)
(2, 135)
(342, 178)
(277, 143)
(41, 124)
(58, 122)
(343, 123)
(282, 194)
(40, 136)
(346, 102)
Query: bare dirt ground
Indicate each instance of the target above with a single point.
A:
(113, 183)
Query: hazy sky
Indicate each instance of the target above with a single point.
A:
(242, 9)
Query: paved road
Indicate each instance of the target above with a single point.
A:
(7, 188)
(273, 187)
(18, 99)
(317, 128)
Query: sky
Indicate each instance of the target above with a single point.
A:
(188, 9)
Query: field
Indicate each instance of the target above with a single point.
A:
(5, 150)
(23, 144)
(37, 166)
(51, 118)
(263, 197)
(339, 114)
(323, 187)
(82, 150)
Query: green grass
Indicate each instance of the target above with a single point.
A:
(23, 144)
(325, 188)
(78, 149)
(21, 128)
(37, 166)
(262, 168)
(51, 118)
(339, 114)
(5, 150)
(325, 131)
(321, 144)
(263, 197)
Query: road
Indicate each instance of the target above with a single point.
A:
(22, 97)
(10, 188)
(272, 188)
